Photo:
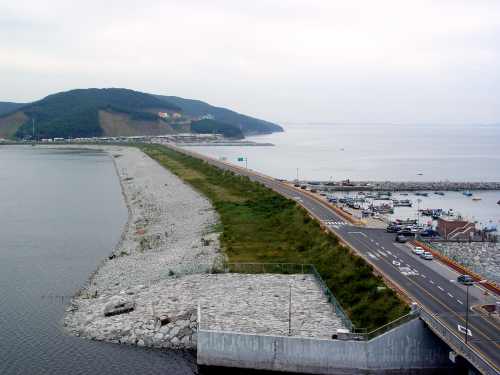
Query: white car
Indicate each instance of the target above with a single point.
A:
(427, 256)
(418, 250)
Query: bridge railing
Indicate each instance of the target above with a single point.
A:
(458, 344)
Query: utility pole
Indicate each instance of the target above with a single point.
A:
(467, 315)
(297, 174)
(290, 311)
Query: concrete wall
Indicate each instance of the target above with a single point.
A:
(410, 348)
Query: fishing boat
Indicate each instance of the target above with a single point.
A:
(438, 193)
(421, 194)
(476, 198)
(467, 193)
(402, 203)
(498, 202)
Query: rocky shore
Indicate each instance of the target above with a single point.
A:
(148, 291)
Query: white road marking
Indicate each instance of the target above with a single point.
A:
(383, 248)
(397, 264)
(372, 256)
(432, 282)
(358, 233)
(394, 256)
(461, 329)
(423, 276)
(451, 295)
(460, 302)
(376, 243)
(440, 288)
(382, 253)
(371, 239)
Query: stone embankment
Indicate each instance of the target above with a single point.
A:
(148, 291)
(404, 185)
(482, 258)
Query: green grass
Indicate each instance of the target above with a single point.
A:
(259, 225)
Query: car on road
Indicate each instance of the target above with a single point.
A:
(407, 233)
(426, 255)
(401, 239)
(465, 279)
(418, 250)
(393, 228)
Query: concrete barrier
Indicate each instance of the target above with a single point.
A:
(408, 349)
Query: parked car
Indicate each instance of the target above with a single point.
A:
(465, 279)
(393, 229)
(401, 239)
(426, 255)
(418, 250)
(407, 233)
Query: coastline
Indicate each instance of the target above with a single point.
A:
(149, 291)
(145, 257)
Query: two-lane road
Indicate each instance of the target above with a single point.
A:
(427, 286)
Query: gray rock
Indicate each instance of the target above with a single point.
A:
(118, 305)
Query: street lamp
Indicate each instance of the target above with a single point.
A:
(467, 285)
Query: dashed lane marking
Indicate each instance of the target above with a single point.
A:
(432, 282)
(423, 276)
(440, 288)
(334, 223)
(451, 295)
(460, 302)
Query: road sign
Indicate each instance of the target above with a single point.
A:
(461, 329)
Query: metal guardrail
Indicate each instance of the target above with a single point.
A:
(387, 327)
(457, 344)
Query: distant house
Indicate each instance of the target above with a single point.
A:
(455, 230)
(163, 115)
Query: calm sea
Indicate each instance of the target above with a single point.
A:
(61, 212)
(375, 152)
(384, 152)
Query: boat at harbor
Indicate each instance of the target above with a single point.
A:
(476, 199)
(420, 194)
(401, 203)
(439, 193)
(467, 193)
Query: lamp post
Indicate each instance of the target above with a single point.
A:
(467, 285)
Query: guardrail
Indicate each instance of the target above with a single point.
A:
(457, 344)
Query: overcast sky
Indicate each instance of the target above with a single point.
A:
(399, 61)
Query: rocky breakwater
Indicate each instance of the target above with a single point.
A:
(134, 296)
(147, 292)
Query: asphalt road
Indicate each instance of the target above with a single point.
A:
(428, 287)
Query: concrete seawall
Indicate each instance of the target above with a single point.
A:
(408, 349)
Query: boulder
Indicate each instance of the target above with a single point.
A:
(118, 305)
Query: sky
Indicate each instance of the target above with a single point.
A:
(400, 61)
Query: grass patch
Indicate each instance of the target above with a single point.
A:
(259, 225)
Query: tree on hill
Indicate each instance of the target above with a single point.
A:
(75, 113)
(212, 126)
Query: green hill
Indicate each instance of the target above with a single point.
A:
(7, 107)
(121, 112)
(212, 126)
(249, 125)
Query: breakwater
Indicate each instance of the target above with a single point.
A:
(402, 185)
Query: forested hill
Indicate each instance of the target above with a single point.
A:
(249, 125)
(6, 107)
(121, 112)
